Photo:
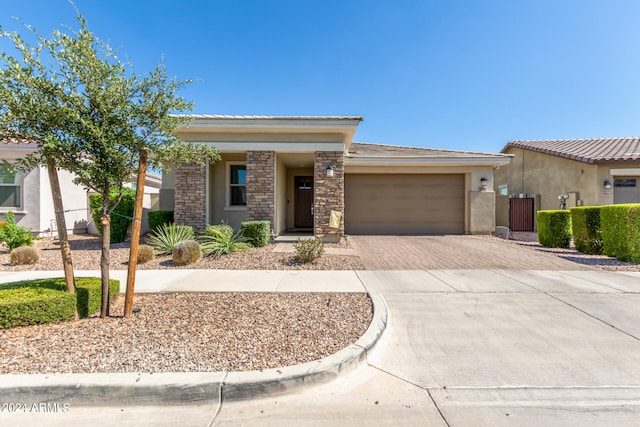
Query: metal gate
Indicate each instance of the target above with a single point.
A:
(521, 213)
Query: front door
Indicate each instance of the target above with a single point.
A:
(303, 200)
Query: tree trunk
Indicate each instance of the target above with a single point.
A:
(105, 222)
(61, 223)
(135, 235)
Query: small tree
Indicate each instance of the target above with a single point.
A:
(32, 107)
(106, 117)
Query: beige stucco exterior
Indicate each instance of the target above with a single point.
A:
(307, 147)
(545, 177)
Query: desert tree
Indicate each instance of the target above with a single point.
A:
(32, 111)
(109, 117)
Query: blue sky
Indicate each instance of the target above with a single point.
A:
(456, 74)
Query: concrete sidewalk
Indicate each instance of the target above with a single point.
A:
(180, 280)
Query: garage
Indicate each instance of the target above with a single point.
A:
(626, 190)
(404, 203)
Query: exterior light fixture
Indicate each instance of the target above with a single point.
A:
(330, 171)
(607, 183)
(483, 184)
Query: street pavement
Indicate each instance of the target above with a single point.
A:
(460, 348)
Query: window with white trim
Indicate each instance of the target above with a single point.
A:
(236, 184)
(9, 187)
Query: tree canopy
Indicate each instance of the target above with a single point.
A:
(91, 114)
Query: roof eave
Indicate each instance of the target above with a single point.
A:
(493, 161)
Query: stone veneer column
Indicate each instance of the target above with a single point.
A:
(261, 186)
(328, 194)
(190, 200)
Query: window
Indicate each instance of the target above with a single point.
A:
(9, 187)
(503, 190)
(624, 182)
(237, 188)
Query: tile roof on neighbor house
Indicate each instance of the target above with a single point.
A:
(590, 150)
(362, 149)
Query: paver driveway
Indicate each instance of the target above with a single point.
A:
(452, 253)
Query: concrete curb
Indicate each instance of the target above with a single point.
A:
(191, 388)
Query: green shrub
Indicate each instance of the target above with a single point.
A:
(89, 293)
(620, 226)
(585, 225)
(157, 218)
(166, 236)
(554, 228)
(47, 300)
(13, 235)
(120, 217)
(221, 240)
(24, 255)
(308, 250)
(223, 227)
(187, 252)
(145, 254)
(257, 233)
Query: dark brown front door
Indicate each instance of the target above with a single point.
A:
(303, 200)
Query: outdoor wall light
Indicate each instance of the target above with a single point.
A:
(484, 182)
(607, 183)
(330, 171)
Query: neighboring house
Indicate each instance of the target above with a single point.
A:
(596, 171)
(298, 171)
(28, 195)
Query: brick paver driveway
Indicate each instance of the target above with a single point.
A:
(452, 253)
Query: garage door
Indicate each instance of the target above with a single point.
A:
(404, 204)
(626, 190)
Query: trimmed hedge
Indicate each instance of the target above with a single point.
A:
(620, 226)
(554, 228)
(257, 233)
(46, 300)
(120, 217)
(587, 235)
(157, 218)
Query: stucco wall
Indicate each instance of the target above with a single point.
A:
(74, 199)
(482, 207)
(549, 176)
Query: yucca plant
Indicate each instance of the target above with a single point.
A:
(166, 236)
(221, 240)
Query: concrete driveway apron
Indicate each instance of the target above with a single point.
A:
(481, 333)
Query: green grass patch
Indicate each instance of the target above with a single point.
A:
(33, 302)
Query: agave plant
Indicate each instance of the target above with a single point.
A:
(221, 240)
(166, 236)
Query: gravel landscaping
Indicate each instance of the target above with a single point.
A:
(186, 332)
(207, 332)
(86, 256)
